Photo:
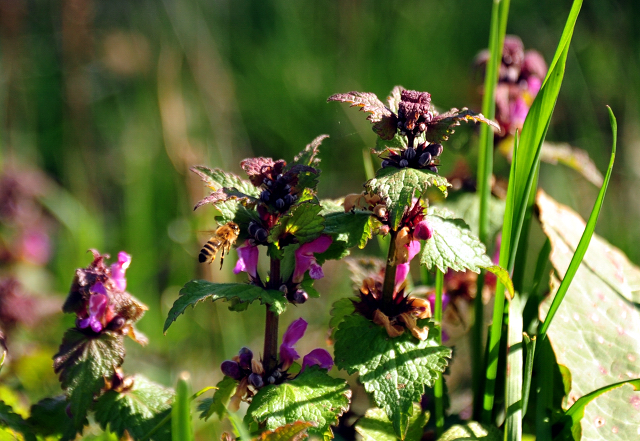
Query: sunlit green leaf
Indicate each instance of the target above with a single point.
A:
(375, 426)
(312, 396)
(218, 404)
(136, 410)
(196, 291)
(394, 370)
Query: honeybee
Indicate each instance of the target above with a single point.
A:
(225, 237)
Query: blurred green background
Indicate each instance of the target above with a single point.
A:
(113, 101)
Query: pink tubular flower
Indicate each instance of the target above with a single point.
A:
(402, 270)
(294, 332)
(247, 259)
(98, 303)
(305, 259)
(288, 353)
(119, 268)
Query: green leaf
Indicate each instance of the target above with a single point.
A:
(472, 431)
(384, 121)
(218, 404)
(83, 362)
(595, 332)
(304, 223)
(198, 290)
(354, 228)
(288, 261)
(442, 126)
(217, 179)
(136, 410)
(49, 417)
(397, 187)
(291, 432)
(309, 155)
(339, 311)
(307, 285)
(467, 207)
(375, 426)
(393, 370)
(234, 211)
(13, 421)
(454, 246)
(312, 396)
(570, 421)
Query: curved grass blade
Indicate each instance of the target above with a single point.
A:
(586, 236)
(533, 133)
(439, 386)
(499, 16)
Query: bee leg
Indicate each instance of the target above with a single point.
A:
(221, 259)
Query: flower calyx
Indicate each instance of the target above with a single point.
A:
(99, 300)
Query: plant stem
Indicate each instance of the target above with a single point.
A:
(269, 354)
(389, 284)
(439, 387)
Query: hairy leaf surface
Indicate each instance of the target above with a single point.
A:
(304, 223)
(398, 187)
(312, 396)
(83, 362)
(198, 290)
(375, 426)
(442, 126)
(394, 370)
(137, 410)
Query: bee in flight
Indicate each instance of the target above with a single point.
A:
(225, 236)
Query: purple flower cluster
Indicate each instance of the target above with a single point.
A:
(250, 372)
(520, 79)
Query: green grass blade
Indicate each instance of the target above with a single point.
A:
(520, 192)
(495, 330)
(530, 345)
(181, 427)
(439, 386)
(513, 423)
(499, 16)
(586, 236)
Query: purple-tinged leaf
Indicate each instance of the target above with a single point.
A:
(384, 120)
(394, 98)
(291, 432)
(442, 126)
(309, 155)
(256, 167)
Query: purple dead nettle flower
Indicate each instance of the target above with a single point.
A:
(118, 270)
(247, 259)
(402, 270)
(520, 79)
(98, 304)
(288, 353)
(305, 259)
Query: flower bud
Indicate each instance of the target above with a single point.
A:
(424, 159)
(299, 297)
(231, 369)
(245, 357)
(116, 323)
(288, 199)
(422, 127)
(264, 196)
(403, 163)
(261, 235)
(385, 163)
(433, 168)
(253, 228)
(435, 149)
(279, 204)
(410, 153)
(256, 381)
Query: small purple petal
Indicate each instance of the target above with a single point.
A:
(118, 270)
(247, 259)
(231, 369)
(318, 356)
(305, 257)
(294, 332)
(315, 271)
(414, 249)
(423, 231)
(98, 288)
(402, 271)
(98, 305)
